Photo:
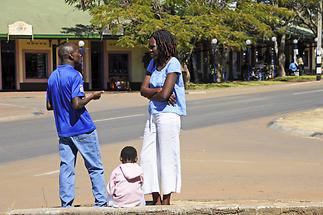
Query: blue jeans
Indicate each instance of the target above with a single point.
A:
(88, 146)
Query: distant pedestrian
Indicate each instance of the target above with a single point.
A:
(293, 68)
(300, 64)
(164, 87)
(125, 184)
(75, 128)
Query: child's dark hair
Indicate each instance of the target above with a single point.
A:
(166, 44)
(129, 154)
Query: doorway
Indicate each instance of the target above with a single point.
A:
(97, 65)
(8, 62)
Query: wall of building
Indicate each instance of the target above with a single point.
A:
(31, 46)
(135, 57)
(136, 68)
(24, 46)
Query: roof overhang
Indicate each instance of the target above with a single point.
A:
(301, 32)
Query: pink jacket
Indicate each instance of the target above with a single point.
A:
(124, 187)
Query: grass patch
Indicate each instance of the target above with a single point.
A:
(278, 80)
(302, 78)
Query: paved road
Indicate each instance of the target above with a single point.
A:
(36, 137)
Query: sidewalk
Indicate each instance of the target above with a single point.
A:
(21, 105)
(192, 207)
(28, 105)
(307, 123)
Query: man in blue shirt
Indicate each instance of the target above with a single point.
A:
(75, 128)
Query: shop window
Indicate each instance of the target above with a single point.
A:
(118, 64)
(36, 65)
(118, 71)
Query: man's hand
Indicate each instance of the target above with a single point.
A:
(96, 95)
(49, 105)
(172, 99)
(78, 102)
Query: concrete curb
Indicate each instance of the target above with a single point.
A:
(191, 207)
(296, 131)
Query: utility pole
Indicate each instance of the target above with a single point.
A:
(319, 44)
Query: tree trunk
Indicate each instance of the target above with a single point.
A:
(219, 64)
(225, 64)
(219, 72)
(282, 57)
(186, 75)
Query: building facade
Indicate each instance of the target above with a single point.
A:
(31, 33)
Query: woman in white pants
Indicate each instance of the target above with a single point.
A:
(164, 87)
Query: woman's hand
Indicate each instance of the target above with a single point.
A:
(160, 94)
(172, 99)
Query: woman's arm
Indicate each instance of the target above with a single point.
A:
(166, 93)
(147, 92)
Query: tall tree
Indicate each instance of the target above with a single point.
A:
(192, 21)
(85, 4)
(305, 12)
(277, 18)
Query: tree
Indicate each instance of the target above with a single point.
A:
(305, 15)
(271, 21)
(85, 4)
(192, 21)
(305, 12)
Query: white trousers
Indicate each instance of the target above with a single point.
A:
(160, 154)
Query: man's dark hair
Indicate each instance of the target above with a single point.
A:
(166, 44)
(129, 154)
(65, 50)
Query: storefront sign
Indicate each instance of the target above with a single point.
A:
(38, 43)
(20, 28)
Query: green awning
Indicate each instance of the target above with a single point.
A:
(49, 19)
(301, 32)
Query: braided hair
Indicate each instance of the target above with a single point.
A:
(166, 44)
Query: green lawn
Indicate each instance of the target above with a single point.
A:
(279, 80)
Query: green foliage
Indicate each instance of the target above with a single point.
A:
(305, 12)
(192, 21)
(263, 20)
(85, 4)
